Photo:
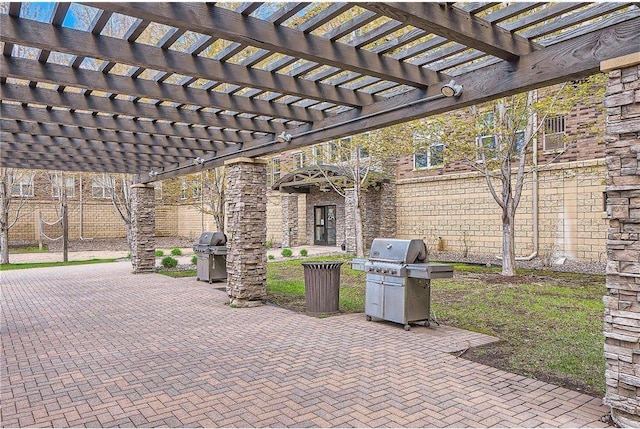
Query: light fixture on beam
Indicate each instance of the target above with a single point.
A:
(283, 137)
(451, 89)
(199, 161)
(152, 173)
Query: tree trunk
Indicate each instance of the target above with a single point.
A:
(508, 245)
(65, 230)
(4, 242)
(129, 235)
(358, 223)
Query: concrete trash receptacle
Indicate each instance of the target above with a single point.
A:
(322, 286)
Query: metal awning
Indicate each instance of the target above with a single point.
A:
(164, 89)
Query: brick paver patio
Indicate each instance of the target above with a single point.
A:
(94, 345)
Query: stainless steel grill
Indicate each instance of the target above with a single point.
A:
(398, 283)
(211, 251)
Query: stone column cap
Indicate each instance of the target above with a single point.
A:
(620, 62)
(142, 185)
(245, 160)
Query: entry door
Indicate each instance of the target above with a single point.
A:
(324, 225)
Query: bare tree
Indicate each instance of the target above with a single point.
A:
(496, 139)
(15, 187)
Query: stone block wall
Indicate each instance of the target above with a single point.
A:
(246, 231)
(622, 302)
(458, 212)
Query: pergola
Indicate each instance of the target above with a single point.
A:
(175, 88)
(218, 81)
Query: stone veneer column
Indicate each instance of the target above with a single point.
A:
(349, 220)
(143, 228)
(289, 220)
(388, 210)
(246, 196)
(622, 302)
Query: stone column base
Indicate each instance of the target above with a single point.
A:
(244, 303)
(624, 420)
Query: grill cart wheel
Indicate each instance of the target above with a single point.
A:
(368, 318)
(407, 327)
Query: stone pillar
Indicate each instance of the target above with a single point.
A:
(388, 210)
(349, 220)
(143, 228)
(622, 302)
(289, 220)
(246, 196)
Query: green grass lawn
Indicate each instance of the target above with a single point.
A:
(31, 248)
(25, 265)
(549, 323)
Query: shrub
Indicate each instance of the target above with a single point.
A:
(169, 262)
(286, 252)
(176, 251)
(303, 252)
(268, 244)
(159, 252)
(194, 260)
(271, 257)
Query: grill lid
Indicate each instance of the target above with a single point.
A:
(209, 238)
(398, 251)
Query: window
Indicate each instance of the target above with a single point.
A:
(554, 133)
(362, 152)
(317, 154)
(275, 170)
(195, 189)
(184, 190)
(431, 156)
(487, 147)
(22, 185)
(102, 187)
(487, 142)
(299, 159)
(56, 184)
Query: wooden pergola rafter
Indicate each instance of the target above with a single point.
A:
(220, 81)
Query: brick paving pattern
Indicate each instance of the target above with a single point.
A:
(96, 346)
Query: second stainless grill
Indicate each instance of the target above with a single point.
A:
(211, 251)
(398, 283)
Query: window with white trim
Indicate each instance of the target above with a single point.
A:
(275, 170)
(554, 133)
(428, 157)
(519, 141)
(184, 189)
(56, 185)
(299, 160)
(486, 142)
(430, 154)
(102, 187)
(22, 185)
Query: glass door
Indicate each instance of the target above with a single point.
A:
(324, 225)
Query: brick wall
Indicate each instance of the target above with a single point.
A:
(459, 208)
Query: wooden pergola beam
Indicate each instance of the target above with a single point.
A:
(81, 43)
(120, 142)
(580, 57)
(221, 23)
(459, 26)
(37, 144)
(66, 159)
(21, 68)
(70, 100)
